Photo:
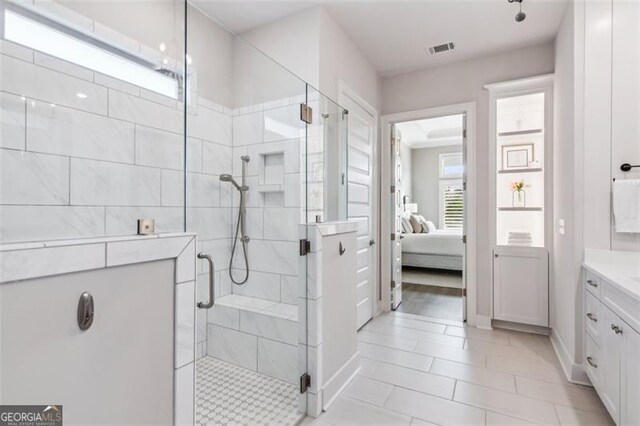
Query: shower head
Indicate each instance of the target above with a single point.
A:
(228, 178)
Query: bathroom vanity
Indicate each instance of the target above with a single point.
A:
(612, 331)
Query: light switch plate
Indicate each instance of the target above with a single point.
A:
(561, 226)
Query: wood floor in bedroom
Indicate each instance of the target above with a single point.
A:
(425, 371)
(437, 302)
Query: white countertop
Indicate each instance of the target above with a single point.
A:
(618, 267)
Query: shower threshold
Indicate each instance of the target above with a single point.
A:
(227, 394)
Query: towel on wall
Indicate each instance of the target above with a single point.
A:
(626, 205)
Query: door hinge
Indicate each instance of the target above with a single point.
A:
(464, 133)
(464, 292)
(393, 284)
(464, 239)
(393, 189)
(305, 247)
(464, 186)
(306, 113)
(393, 237)
(305, 382)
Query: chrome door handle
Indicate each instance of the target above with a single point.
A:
(212, 282)
(592, 317)
(591, 362)
(592, 283)
(85, 311)
(342, 249)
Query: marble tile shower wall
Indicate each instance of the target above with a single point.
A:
(89, 166)
(272, 135)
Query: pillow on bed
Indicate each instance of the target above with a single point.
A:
(406, 223)
(431, 227)
(423, 224)
(406, 226)
(415, 224)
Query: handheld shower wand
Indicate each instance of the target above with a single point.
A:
(240, 227)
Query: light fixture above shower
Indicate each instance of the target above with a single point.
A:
(520, 16)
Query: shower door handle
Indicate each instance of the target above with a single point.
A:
(212, 282)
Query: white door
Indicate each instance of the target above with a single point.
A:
(520, 289)
(361, 202)
(396, 215)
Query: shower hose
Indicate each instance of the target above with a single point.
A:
(244, 240)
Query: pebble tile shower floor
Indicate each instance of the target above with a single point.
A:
(227, 394)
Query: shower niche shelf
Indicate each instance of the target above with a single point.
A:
(270, 189)
(271, 171)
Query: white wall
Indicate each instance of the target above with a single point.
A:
(293, 42)
(565, 294)
(340, 59)
(463, 82)
(426, 178)
(314, 47)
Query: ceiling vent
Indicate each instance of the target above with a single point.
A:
(441, 48)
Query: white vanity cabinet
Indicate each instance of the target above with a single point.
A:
(612, 346)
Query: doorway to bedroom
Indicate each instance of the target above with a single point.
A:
(429, 167)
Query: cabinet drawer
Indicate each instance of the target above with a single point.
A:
(591, 316)
(592, 283)
(624, 307)
(592, 363)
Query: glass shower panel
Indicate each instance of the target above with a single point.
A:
(326, 159)
(92, 118)
(245, 200)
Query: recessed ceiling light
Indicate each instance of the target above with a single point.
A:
(81, 95)
(163, 47)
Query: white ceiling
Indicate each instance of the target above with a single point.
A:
(431, 132)
(393, 35)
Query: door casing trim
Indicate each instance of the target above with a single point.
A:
(468, 108)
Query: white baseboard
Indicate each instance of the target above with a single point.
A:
(483, 321)
(336, 384)
(574, 372)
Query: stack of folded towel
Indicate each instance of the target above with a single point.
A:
(519, 238)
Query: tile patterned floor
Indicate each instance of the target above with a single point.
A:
(425, 371)
(227, 394)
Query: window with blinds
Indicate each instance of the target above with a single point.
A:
(452, 205)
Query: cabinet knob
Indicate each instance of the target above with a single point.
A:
(616, 329)
(592, 283)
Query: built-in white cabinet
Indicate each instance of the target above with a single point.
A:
(520, 285)
(612, 347)
(521, 129)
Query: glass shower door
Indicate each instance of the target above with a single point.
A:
(245, 200)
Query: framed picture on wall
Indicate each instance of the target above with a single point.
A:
(517, 156)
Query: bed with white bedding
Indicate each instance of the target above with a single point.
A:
(438, 249)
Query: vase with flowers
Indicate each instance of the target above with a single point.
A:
(518, 194)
